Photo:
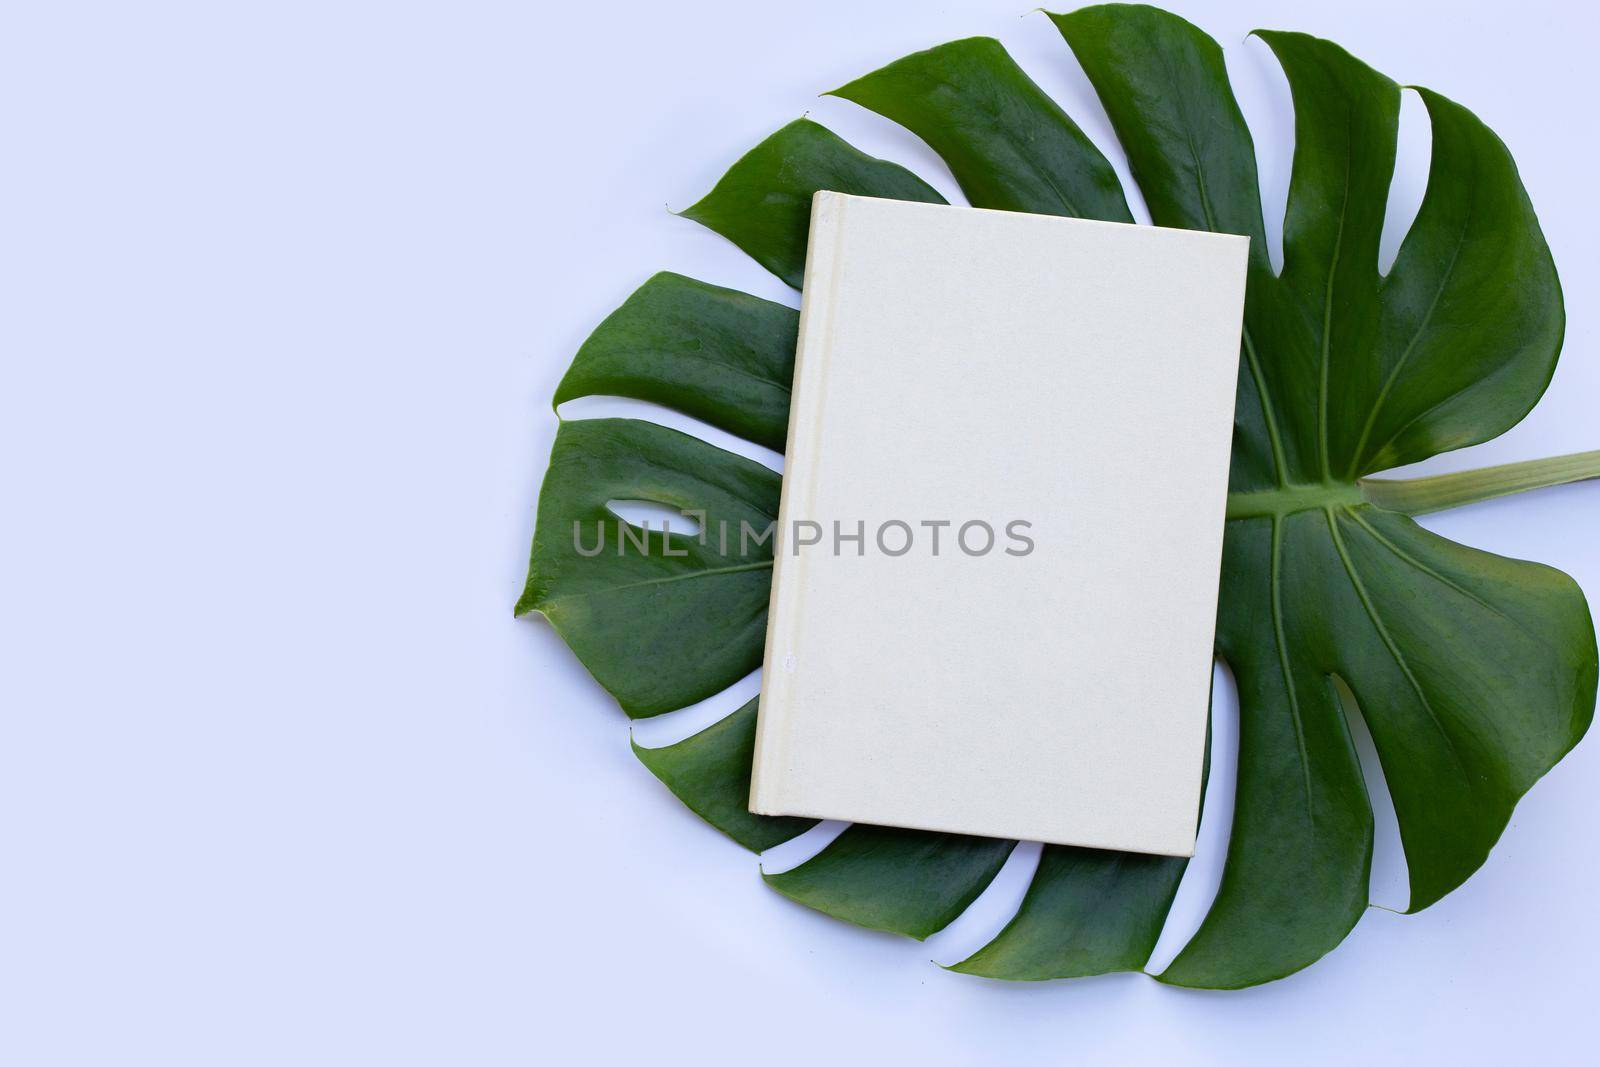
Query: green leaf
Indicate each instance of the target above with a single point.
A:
(1087, 911)
(1472, 311)
(718, 354)
(1190, 151)
(710, 772)
(763, 203)
(659, 631)
(1009, 145)
(904, 881)
(1474, 674)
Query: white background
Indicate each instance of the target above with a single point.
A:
(284, 289)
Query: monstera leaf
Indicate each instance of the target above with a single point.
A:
(1473, 673)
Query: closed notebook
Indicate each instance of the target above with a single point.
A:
(1001, 525)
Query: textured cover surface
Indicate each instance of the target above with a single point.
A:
(967, 366)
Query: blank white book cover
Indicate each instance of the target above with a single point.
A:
(1001, 525)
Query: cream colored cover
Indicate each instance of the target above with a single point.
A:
(968, 366)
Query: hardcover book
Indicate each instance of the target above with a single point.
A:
(1000, 531)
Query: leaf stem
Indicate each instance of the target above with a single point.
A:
(1419, 496)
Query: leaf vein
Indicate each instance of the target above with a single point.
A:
(710, 572)
(1424, 568)
(1389, 642)
(1327, 312)
(1275, 586)
(1394, 374)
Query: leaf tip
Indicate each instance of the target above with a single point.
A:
(529, 603)
(694, 211)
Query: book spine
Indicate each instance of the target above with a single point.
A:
(819, 289)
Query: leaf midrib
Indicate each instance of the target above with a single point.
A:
(1391, 645)
(1292, 498)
